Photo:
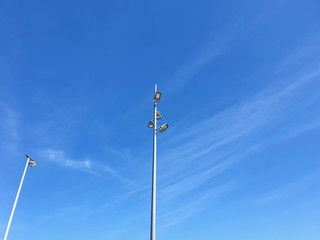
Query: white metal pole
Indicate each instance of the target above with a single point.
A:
(154, 173)
(16, 200)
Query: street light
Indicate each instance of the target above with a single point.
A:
(31, 163)
(153, 124)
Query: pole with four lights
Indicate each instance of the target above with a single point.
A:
(31, 163)
(161, 129)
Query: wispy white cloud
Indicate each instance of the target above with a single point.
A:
(306, 53)
(246, 117)
(9, 127)
(292, 132)
(60, 158)
(54, 215)
(267, 108)
(86, 165)
(181, 212)
(267, 12)
(289, 190)
(188, 69)
(212, 51)
(65, 211)
(121, 197)
(9, 121)
(214, 145)
(192, 179)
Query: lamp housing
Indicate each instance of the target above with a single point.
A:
(163, 127)
(32, 163)
(157, 97)
(151, 124)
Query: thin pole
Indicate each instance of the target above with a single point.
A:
(154, 173)
(16, 200)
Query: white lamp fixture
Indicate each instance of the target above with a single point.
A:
(32, 163)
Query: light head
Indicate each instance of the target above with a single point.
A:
(32, 163)
(151, 124)
(157, 97)
(163, 127)
(158, 115)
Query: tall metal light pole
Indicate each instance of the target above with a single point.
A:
(31, 163)
(153, 124)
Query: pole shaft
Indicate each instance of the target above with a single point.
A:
(15, 201)
(154, 174)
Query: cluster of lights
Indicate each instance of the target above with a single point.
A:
(164, 127)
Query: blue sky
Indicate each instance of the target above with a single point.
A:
(240, 84)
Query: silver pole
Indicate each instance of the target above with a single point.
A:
(154, 173)
(16, 200)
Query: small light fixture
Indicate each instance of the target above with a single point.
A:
(157, 97)
(151, 124)
(158, 115)
(163, 127)
(32, 163)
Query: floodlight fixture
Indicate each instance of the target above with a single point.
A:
(32, 163)
(158, 115)
(157, 97)
(151, 124)
(163, 127)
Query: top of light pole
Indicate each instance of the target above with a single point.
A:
(157, 115)
(31, 162)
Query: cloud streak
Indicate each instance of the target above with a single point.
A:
(213, 146)
(86, 165)
(289, 190)
(182, 212)
(9, 126)
(198, 61)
